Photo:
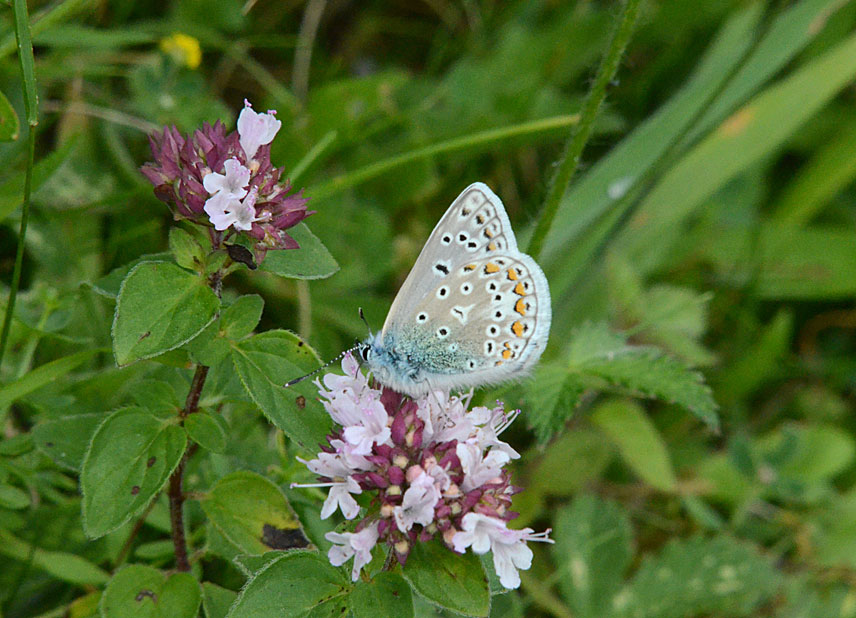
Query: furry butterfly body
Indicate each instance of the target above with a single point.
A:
(474, 310)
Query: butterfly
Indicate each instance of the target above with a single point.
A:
(473, 311)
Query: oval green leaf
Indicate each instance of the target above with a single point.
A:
(144, 592)
(160, 307)
(448, 579)
(129, 460)
(297, 584)
(253, 514)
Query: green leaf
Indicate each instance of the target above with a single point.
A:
(66, 439)
(265, 362)
(207, 430)
(596, 352)
(216, 601)
(8, 120)
(156, 396)
(450, 580)
(160, 307)
(297, 584)
(110, 284)
(186, 250)
(251, 564)
(592, 551)
(42, 376)
(13, 498)
(240, 318)
(128, 461)
(640, 444)
(692, 577)
(553, 395)
(63, 566)
(750, 134)
(253, 514)
(144, 592)
(311, 261)
(387, 594)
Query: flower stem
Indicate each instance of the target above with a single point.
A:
(31, 103)
(176, 492)
(570, 160)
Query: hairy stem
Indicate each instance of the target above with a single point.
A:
(576, 143)
(176, 491)
(176, 515)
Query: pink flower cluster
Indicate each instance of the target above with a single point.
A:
(434, 469)
(228, 180)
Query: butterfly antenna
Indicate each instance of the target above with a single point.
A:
(322, 367)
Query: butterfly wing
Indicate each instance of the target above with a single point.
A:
(473, 310)
(474, 225)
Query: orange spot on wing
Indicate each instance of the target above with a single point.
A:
(519, 289)
(497, 363)
(506, 354)
(517, 328)
(470, 267)
(520, 306)
(491, 268)
(491, 246)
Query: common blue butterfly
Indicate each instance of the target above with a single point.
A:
(474, 310)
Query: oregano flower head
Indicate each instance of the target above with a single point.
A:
(227, 181)
(434, 469)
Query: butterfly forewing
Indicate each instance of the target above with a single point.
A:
(474, 225)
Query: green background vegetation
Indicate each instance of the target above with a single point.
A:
(708, 237)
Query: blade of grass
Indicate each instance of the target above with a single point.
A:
(629, 166)
(474, 140)
(756, 130)
(31, 103)
(576, 144)
(44, 20)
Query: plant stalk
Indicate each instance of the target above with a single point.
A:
(575, 145)
(176, 492)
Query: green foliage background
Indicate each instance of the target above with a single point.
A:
(689, 435)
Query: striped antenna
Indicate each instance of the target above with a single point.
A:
(324, 366)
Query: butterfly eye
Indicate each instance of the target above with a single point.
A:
(365, 353)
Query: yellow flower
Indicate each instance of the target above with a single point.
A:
(183, 48)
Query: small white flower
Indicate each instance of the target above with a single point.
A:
(339, 467)
(478, 467)
(417, 506)
(224, 211)
(255, 129)
(356, 544)
(490, 424)
(508, 547)
(232, 184)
